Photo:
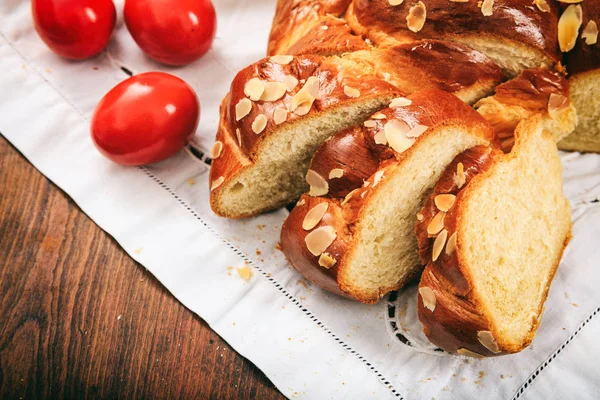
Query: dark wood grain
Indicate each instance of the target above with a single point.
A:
(79, 318)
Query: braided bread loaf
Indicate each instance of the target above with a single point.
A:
(492, 234)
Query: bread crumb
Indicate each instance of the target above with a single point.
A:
(229, 268)
(138, 251)
(260, 227)
(301, 282)
(575, 304)
(481, 375)
(258, 252)
(245, 272)
(191, 181)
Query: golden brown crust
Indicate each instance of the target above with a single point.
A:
(584, 57)
(365, 164)
(518, 22)
(523, 97)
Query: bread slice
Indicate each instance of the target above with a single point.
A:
(584, 92)
(515, 35)
(353, 233)
(534, 91)
(492, 235)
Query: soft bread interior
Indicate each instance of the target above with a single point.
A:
(385, 254)
(278, 176)
(512, 229)
(584, 94)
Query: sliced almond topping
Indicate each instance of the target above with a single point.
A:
(460, 178)
(238, 133)
(437, 224)
(282, 59)
(336, 173)
(254, 88)
(459, 1)
(416, 17)
(326, 261)
(469, 353)
(259, 124)
(428, 298)
(488, 341)
(420, 217)
(363, 194)
(304, 99)
(378, 177)
(280, 115)
(366, 183)
(444, 202)
(395, 2)
(438, 245)
(320, 239)
(216, 183)
(570, 1)
(451, 245)
(349, 196)
(290, 82)
(216, 150)
(417, 131)
(242, 108)
(370, 123)
(568, 27)
(378, 116)
(487, 8)
(395, 134)
(351, 92)
(314, 216)
(400, 102)
(301, 202)
(380, 137)
(556, 104)
(273, 91)
(318, 184)
(542, 5)
(590, 33)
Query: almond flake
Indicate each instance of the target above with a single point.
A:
(217, 183)
(451, 245)
(439, 244)
(336, 173)
(469, 353)
(370, 123)
(216, 150)
(556, 104)
(280, 115)
(320, 239)
(417, 131)
(254, 88)
(259, 124)
(444, 202)
(290, 82)
(428, 298)
(395, 2)
(318, 184)
(304, 99)
(273, 91)
(488, 341)
(351, 92)
(460, 178)
(437, 224)
(487, 8)
(301, 202)
(400, 102)
(590, 33)
(416, 17)
(570, 1)
(378, 177)
(395, 134)
(238, 133)
(242, 108)
(326, 261)
(282, 59)
(378, 116)
(420, 217)
(459, 1)
(380, 137)
(568, 27)
(542, 5)
(314, 216)
(349, 196)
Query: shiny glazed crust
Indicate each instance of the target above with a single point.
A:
(366, 165)
(584, 57)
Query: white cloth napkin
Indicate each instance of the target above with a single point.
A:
(311, 344)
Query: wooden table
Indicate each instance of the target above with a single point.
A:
(79, 318)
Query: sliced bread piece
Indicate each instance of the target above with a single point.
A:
(492, 235)
(513, 33)
(353, 233)
(534, 91)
